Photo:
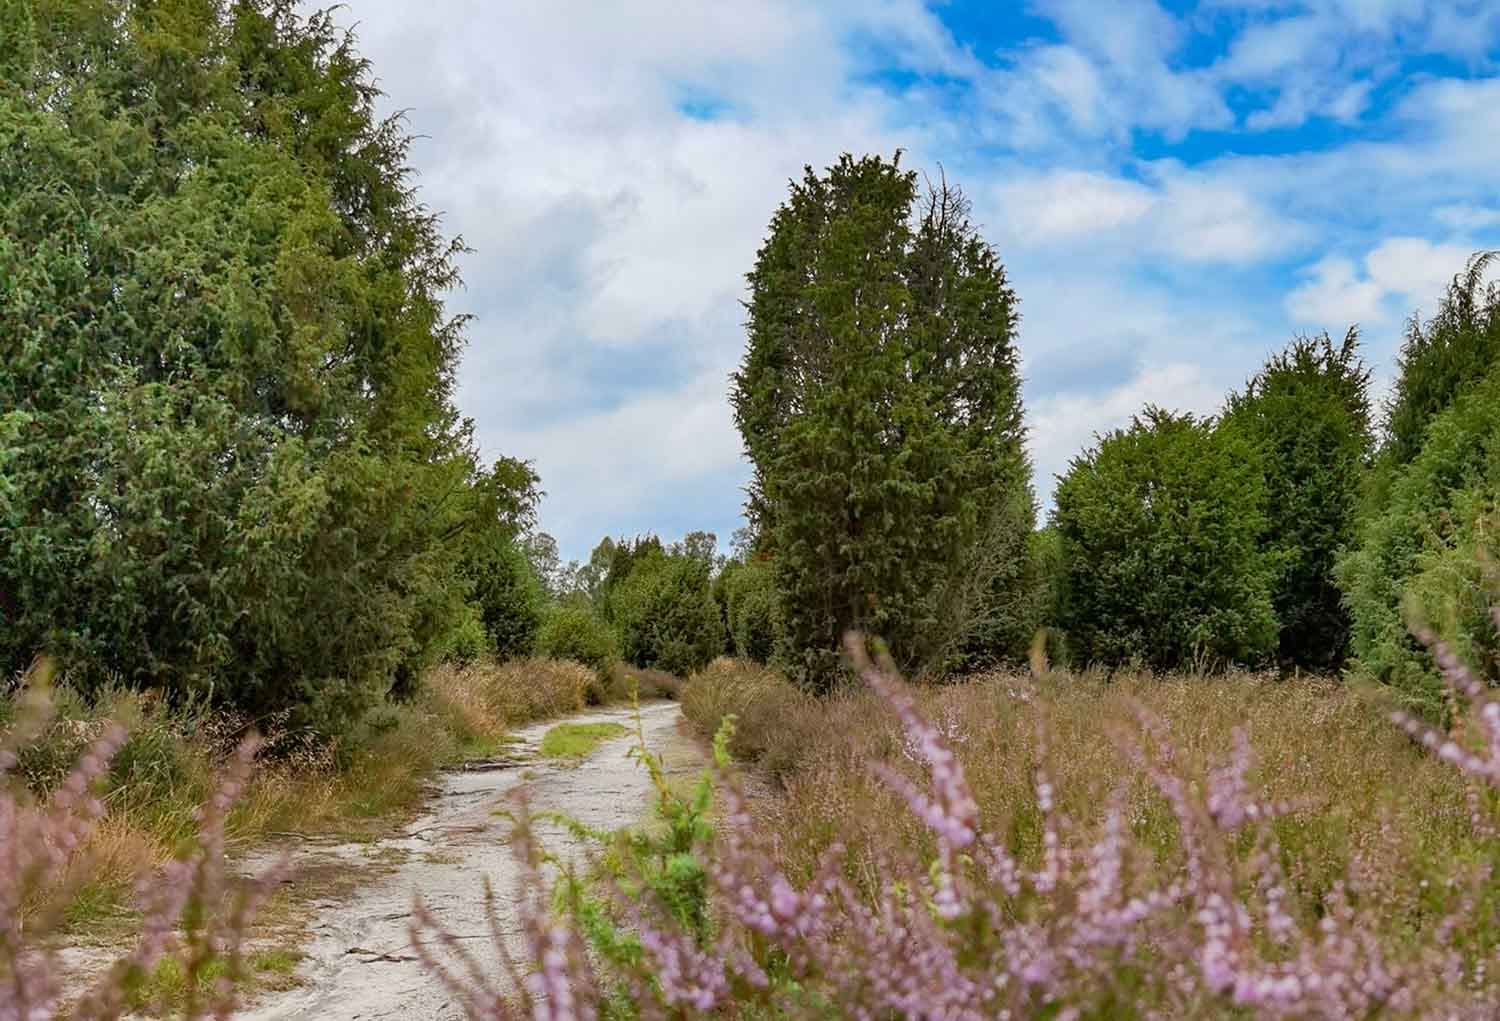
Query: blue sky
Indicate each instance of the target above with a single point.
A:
(1176, 190)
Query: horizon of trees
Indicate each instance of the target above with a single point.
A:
(232, 467)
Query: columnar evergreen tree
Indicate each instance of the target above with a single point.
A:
(231, 459)
(1430, 553)
(1160, 527)
(507, 594)
(1307, 414)
(751, 610)
(1440, 358)
(879, 402)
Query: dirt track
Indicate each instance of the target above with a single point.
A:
(359, 964)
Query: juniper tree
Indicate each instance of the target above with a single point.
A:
(1160, 528)
(879, 402)
(1307, 415)
(232, 461)
(1442, 357)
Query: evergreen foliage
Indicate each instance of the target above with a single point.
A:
(879, 402)
(1307, 414)
(664, 612)
(573, 630)
(510, 598)
(1440, 358)
(1430, 552)
(752, 610)
(1160, 526)
(619, 559)
(232, 464)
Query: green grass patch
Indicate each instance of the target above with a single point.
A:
(97, 902)
(576, 740)
(165, 988)
(275, 962)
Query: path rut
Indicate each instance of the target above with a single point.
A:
(359, 965)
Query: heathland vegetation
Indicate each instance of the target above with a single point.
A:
(1146, 767)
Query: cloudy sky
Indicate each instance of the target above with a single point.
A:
(1175, 188)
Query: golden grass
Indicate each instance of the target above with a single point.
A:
(1365, 792)
(352, 789)
(626, 682)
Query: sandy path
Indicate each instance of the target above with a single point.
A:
(359, 964)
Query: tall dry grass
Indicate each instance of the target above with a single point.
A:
(627, 682)
(1365, 791)
(172, 758)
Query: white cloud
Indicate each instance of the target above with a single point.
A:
(1466, 218)
(1065, 205)
(1336, 293)
(1112, 73)
(1399, 275)
(612, 228)
(1183, 214)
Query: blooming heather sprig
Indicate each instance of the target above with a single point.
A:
(949, 809)
(1483, 766)
(43, 856)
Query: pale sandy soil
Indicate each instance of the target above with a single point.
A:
(359, 963)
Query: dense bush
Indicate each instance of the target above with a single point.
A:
(620, 559)
(466, 641)
(231, 460)
(1307, 414)
(664, 613)
(1421, 551)
(720, 591)
(879, 403)
(572, 630)
(1160, 526)
(1451, 351)
(627, 682)
(751, 609)
(508, 595)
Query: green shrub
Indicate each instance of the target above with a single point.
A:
(750, 595)
(665, 614)
(880, 406)
(574, 631)
(1307, 414)
(1160, 526)
(510, 598)
(1423, 551)
(1006, 613)
(467, 641)
(620, 559)
(720, 588)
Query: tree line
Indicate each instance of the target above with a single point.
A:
(1299, 527)
(232, 468)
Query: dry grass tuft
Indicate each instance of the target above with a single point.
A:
(352, 789)
(480, 701)
(627, 681)
(1367, 792)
